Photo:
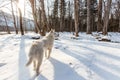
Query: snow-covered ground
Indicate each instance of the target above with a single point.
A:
(71, 59)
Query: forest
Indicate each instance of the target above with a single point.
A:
(62, 15)
(59, 39)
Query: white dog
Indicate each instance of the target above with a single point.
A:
(38, 48)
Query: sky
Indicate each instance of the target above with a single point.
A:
(28, 11)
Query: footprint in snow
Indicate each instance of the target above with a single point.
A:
(15, 44)
(2, 64)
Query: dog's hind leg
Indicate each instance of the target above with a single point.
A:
(34, 64)
(38, 67)
(39, 62)
(29, 62)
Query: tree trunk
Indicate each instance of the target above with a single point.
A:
(7, 28)
(25, 24)
(119, 23)
(76, 15)
(55, 14)
(44, 19)
(69, 16)
(48, 19)
(62, 15)
(106, 16)
(16, 29)
(39, 18)
(88, 16)
(37, 26)
(99, 24)
(20, 19)
(119, 14)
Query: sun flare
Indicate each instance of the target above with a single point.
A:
(21, 5)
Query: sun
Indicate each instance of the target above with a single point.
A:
(21, 5)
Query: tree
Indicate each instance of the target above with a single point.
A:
(7, 28)
(99, 24)
(24, 21)
(106, 16)
(55, 14)
(34, 13)
(76, 16)
(14, 19)
(93, 8)
(118, 5)
(39, 15)
(62, 14)
(44, 19)
(89, 17)
(70, 16)
(4, 3)
(20, 19)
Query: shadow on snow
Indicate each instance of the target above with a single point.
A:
(91, 66)
(61, 70)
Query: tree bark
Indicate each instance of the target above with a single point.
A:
(106, 17)
(37, 26)
(44, 19)
(99, 24)
(62, 15)
(7, 28)
(16, 29)
(119, 14)
(20, 19)
(76, 15)
(89, 17)
(55, 14)
(119, 23)
(69, 17)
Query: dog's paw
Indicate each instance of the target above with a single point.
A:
(34, 69)
(37, 73)
(26, 64)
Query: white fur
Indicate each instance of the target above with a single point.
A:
(38, 48)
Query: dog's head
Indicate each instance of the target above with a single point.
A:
(52, 30)
(51, 33)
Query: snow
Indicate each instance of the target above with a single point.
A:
(84, 58)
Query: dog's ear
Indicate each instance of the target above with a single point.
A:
(53, 30)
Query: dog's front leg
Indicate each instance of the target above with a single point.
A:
(38, 67)
(34, 64)
(49, 52)
(45, 50)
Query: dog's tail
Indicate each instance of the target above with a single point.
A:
(29, 62)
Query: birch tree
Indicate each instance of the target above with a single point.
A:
(106, 16)
(34, 13)
(7, 28)
(88, 17)
(118, 5)
(99, 24)
(20, 20)
(62, 14)
(76, 16)
(44, 19)
(14, 19)
(55, 14)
